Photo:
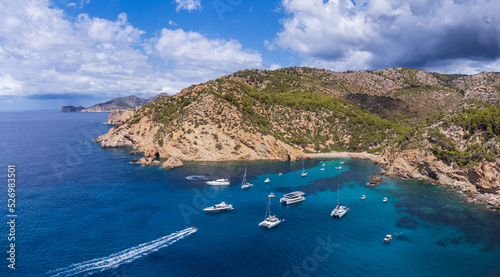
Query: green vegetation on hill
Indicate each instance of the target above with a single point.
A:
(484, 123)
(324, 111)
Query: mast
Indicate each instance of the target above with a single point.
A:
(268, 210)
(338, 192)
(244, 176)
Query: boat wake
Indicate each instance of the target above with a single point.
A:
(196, 177)
(122, 257)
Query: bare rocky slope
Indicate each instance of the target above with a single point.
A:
(421, 125)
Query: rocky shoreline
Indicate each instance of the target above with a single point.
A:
(479, 183)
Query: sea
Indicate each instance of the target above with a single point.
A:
(82, 210)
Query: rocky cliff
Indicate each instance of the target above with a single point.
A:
(480, 182)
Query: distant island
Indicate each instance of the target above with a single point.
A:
(443, 128)
(120, 103)
(72, 109)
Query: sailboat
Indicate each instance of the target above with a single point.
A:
(243, 184)
(339, 210)
(304, 173)
(270, 220)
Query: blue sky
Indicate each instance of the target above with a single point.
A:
(81, 52)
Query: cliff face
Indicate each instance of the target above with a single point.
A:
(480, 182)
(71, 109)
(195, 142)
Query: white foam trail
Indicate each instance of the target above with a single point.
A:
(196, 177)
(122, 257)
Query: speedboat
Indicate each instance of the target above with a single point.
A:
(388, 238)
(385, 199)
(219, 182)
(219, 207)
(293, 197)
(322, 169)
(267, 180)
(271, 220)
(323, 164)
(339, 167)
(363, 197)
(341, 162)
(303, 174)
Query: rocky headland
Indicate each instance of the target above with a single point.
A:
(385, 116)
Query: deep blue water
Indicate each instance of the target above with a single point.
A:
(81, 209)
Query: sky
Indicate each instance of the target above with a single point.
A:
(82, 52)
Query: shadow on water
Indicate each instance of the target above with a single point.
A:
(435, 204)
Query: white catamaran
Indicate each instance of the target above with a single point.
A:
(293, 197)
(339, 210)
(271, 220)
(244, 184)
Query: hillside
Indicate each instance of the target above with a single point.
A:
(120, 103)
(422, 125)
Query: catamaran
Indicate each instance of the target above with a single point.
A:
(270, 220)
(245, 185)
(219, 182)
(293, 197)
(339, 210)
(219, 207)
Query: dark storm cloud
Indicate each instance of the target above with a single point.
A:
(390, 33)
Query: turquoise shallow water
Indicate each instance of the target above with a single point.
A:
(82, 210)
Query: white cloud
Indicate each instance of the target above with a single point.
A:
(341, 35)
(42, 52)
(194, 54)
(188, 5)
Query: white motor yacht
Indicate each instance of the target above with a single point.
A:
(322, 169)
(267, 180)
(363, 197)
(271, 220)
(385, 199)
(388, 238)
(219, 207)
(293, 197)
(219, 182)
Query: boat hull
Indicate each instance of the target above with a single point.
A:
(292, 201)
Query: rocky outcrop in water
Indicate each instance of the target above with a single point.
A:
(172, 162)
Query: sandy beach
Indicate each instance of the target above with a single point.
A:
(359, 156)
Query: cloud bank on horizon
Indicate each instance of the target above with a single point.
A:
(46, 53)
